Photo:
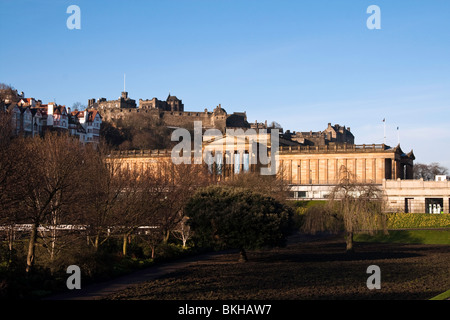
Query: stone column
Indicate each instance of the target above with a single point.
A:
(363, 170)
(308, 171)
(374, 170)
(290, 171)
(317, 171)
(336, 171)
(393, 177)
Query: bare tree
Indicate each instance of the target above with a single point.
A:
(78, 106)
(138, 204)
(14, 170)
(429, 171)
(271, 185)
(352, 207)
(176, 184)
(106, 180)
(172, 187)
(52, 183)
(183, 231)
(8, 94)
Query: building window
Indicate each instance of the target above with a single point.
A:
(237, 165)
(434, 205)
(299, 194)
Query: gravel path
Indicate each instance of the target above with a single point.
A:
(100, 290)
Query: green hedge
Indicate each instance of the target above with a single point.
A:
(417, 220)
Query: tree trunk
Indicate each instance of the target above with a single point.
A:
(349, 242)
(166, 236)
(11, 237)
(243, 256)
(96, 242)
(124, 246)
(53, 250)
(31, 248)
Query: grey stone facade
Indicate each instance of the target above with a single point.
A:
(171, 112)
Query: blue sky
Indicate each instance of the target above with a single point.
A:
(300, 63)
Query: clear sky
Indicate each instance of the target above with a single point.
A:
(302, 64)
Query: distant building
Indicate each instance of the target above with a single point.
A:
(90, 122)
(336, 134)
(122, 103)
(172, 103)
(30, 117)
(417, 196)
(170, 112)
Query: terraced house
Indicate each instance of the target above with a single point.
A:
(30, 117)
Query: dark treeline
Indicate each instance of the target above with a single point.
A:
(76, 205)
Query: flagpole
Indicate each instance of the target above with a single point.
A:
(384, 124)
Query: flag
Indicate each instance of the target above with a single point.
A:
(384, 120)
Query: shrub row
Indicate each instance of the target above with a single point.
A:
(417, 220)
(395, 220)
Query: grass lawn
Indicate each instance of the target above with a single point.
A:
(443, 296)
(441, 236)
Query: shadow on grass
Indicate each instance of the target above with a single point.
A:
(317, 270)
(334, 257)
(334, 250)
(408, 236)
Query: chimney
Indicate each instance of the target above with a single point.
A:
(91, 102)
(50, 107)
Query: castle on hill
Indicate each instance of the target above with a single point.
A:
(171, 112)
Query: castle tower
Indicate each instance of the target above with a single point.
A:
(174, 104)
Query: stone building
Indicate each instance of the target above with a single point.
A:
(336, 134)
(312, 171)
(304, 168)
(124, 102)
(31, 117)
(321, 165)
(171, 112)
(417, 196)
(172, 103)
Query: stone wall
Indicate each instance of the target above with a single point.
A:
(184, 119)
(416, 195)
